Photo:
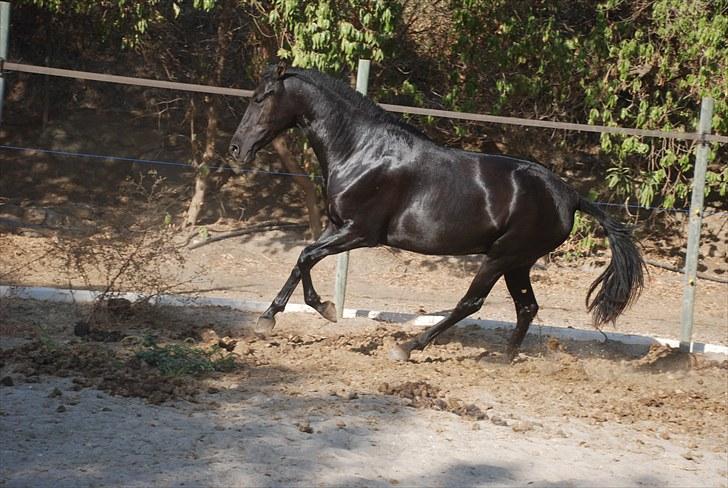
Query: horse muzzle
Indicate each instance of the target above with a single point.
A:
(242, 156)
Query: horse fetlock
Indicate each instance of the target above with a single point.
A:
(511, 354)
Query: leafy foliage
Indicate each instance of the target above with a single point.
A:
(661, 58)
(332, 34)
(185, 359)
(643, 64)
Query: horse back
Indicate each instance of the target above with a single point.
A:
(435, 200)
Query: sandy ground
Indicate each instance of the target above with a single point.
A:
(318, 404)
(102, 440)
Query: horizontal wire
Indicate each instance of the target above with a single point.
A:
(283, 173)
(144, 161)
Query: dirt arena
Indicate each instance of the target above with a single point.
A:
(321, 404)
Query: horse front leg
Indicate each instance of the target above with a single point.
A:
(267, 320)
(333, 241)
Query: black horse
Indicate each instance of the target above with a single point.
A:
(388, 184)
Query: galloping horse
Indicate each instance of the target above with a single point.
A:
(389, 184)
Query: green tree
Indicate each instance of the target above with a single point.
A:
(660, 58)
(331, 35)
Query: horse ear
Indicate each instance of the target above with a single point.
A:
(281, 69)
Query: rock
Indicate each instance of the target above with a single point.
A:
(305, 426)
(227, 343)
(61, 409)
(55, 393)
(209, 336)
(522, 426)
(7, 381)
(120, 307)
(498, 421)
(241, 349)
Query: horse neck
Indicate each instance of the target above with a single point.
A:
(329, 123)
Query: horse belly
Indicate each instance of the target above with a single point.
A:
(440, 234)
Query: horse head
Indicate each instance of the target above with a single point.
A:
(270, 112)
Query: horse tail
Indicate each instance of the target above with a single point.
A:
(622, 282)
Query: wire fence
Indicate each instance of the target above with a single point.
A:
(497, 119)
(177, 164)
(216, 90)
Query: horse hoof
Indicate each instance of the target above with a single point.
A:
(512, 356)
(399, 353)
(328, 311)
(265, 325)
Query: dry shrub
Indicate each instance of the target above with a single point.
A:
(132, 250)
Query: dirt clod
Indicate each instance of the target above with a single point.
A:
(305, 427)
(522, 426)
(423, 395)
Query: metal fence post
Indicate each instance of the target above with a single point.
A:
(694, 222)
(4, 33)
(342, 259)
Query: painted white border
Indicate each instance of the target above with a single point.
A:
(581, 335)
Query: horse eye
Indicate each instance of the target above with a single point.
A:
(262, 97)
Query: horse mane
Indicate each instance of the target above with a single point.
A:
(352, 98)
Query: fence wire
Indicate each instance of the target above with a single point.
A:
(224, 167)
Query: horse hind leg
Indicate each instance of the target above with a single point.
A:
(490, 271)
(519, 286)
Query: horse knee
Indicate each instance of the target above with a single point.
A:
(304, 261)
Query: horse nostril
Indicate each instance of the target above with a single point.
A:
(234, 149)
